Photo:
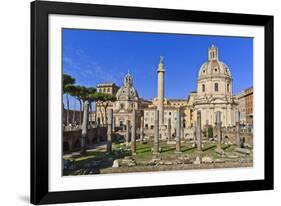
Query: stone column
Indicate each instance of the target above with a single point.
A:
(84, 127)
(109, 130)
(98, 134)
(160, 91)
(142, 129)
(113, 125)
(127, 132)
(70, 143)
(219, 133)
(178, 135)
(238, 139)
(156, 133)
(207, 129)
(239, 142)
(169, 129)
(91, 139)
(182, 128)
(133, 138)
(198, 132)
(194, 133)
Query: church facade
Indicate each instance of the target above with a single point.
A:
(214, 91)
(127, 100)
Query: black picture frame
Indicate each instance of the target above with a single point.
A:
(39, 102)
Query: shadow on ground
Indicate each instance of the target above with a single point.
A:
(93, 162)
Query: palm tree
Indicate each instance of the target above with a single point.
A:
(68, 81)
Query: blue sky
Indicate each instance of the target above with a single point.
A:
(93, 57)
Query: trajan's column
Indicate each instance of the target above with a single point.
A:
(160, 95)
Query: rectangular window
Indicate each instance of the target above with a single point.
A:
(216, 87)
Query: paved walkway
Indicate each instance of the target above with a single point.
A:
(95, 147)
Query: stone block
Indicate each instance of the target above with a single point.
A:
(243, 151)
(207, 159)
(197, 161)
(171, 142)
(219, 161)
(115, 164)
(219, 151)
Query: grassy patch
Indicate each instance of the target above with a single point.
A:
(143, 153)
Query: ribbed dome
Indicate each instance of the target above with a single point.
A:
(213, 67)
(127, 91)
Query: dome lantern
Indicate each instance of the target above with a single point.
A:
(127, 91)
(213, 53)
(128, 80)
(214, 67)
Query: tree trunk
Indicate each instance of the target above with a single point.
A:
(73, 117)
(63, 120)
(102, 122)
(96, 115)
(80, 113)
(67, 110)
(105, 112)
(74, 112)
(90, 113)
(84, 127)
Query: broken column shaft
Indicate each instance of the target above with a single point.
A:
(198, 132)
(238, 139)
(133, 138)
(178, 134)
(156, 133)
(109, 131)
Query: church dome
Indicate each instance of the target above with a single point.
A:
(127, 91)
(213, 67)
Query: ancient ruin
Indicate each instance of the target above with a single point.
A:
(203, 131)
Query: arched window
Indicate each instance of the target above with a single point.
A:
(227, 87)
(203, 87)
(216, 87)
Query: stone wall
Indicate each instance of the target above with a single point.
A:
(71, 139)
(230, 134)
